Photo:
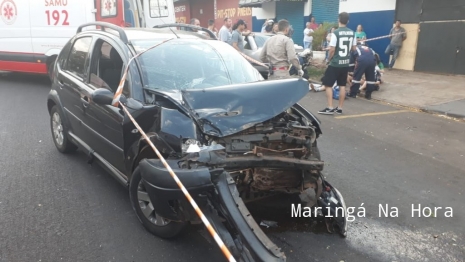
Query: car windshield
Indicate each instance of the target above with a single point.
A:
(260, 40)
(186, 64)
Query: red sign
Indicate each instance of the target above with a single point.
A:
(230, 9)
(182, 12)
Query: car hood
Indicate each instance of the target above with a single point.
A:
(227, 110)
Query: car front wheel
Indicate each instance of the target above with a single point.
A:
(60, 132)
(145, 212)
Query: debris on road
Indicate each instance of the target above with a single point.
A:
(268, 224)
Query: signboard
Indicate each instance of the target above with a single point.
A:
(182, 12)
(230, 9)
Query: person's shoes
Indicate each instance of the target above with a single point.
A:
(368, 96)
(338, 111)
(327, 111)
(351, 95)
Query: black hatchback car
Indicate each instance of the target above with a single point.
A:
(189, 92)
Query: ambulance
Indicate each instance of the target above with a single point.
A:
(32, 32)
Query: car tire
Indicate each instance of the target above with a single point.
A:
(152, 222)
(60, 132)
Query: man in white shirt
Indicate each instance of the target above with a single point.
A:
(225, 32)
(308, 36)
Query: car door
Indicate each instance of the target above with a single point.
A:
(104, 123)
(72, 88)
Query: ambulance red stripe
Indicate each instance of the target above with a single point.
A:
(23, 62)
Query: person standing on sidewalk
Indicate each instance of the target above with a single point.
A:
(211, 27)
(360, 34)
(308, 38)
(398, 36)
(225, 31)
(342, 42)
(279, 50)
(236, 39)
(313, 24)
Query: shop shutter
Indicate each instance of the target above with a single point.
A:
(325, 11)
(294, 13)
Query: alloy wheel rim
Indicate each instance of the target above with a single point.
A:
(147, 209)
(57, 128)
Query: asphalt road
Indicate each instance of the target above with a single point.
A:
(55, 207)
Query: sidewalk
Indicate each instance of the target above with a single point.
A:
(441, 94)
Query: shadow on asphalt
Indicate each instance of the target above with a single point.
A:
(24, 78)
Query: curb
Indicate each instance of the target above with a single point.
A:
(420, 109)
(453, 115)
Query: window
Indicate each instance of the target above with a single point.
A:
(77, 57)
(184, 64)
(106, 67)
(158, 8)
(108, 8)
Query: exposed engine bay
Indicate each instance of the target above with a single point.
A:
(286, 136)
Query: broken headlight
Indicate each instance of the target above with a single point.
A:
(189, 143)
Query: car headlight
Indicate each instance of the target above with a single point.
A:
(190, 146)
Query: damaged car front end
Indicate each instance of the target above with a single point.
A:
(237, 144)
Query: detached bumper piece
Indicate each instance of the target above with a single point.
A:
(334, 209)
(165, 194)
(255, 243)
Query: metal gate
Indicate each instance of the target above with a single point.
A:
(294, 13)
(325, 11)
(441, 47)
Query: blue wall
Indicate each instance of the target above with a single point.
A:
(377, 23)
(257, 24)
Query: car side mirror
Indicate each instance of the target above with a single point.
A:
(102, 96)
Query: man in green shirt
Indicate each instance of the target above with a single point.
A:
(342, 42)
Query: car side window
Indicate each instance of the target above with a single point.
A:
(106, 68)
(77, 57)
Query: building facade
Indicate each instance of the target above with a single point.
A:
(205, 10)
(440, 44)
(376, 18)
(438, 47)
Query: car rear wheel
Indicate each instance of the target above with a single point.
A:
(60, 132)
(145, 212)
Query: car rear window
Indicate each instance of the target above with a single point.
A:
(183, 64)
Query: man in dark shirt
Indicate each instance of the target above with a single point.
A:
(365, 65)
(342, 42)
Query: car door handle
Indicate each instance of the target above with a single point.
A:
(61, 83)
(85, 101)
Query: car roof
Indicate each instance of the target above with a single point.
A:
(263, 34)
(133, 34)
(161, 33)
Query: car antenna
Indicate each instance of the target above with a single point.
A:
(171, 29)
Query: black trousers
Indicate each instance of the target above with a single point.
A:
(361, 68)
